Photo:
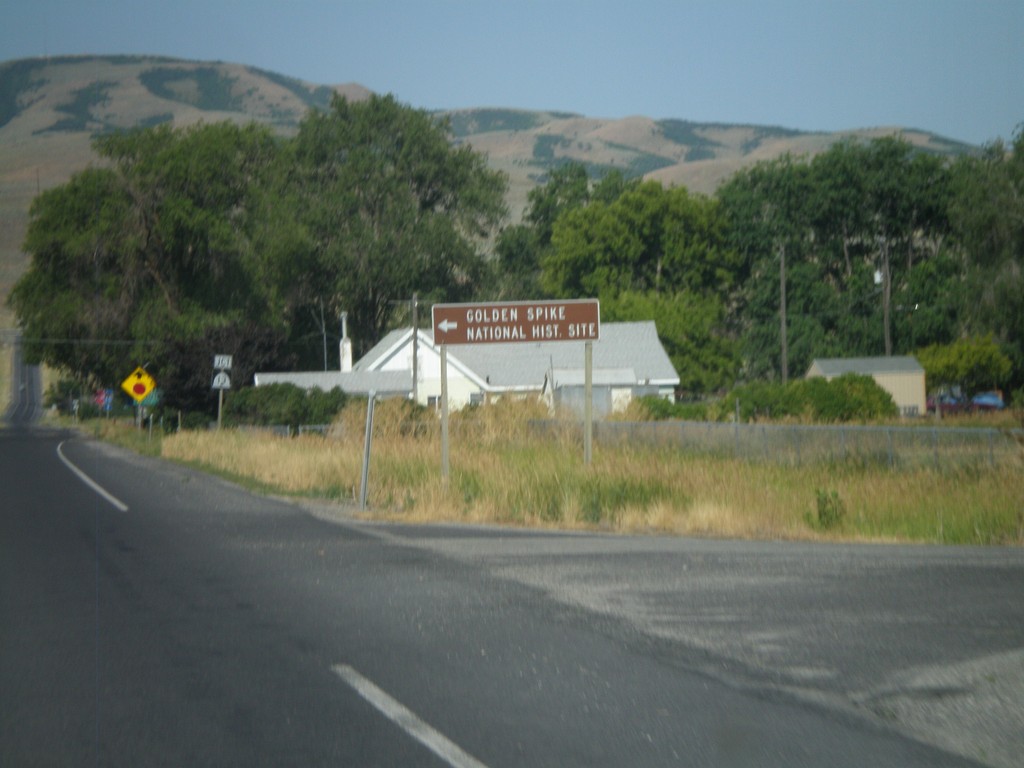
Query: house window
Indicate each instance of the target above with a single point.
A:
(476, 398)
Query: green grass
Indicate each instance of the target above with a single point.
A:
(122, 433)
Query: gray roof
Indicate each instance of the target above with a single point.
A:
(388, 346)
(867, 366)
(526, 364)
(622, 348)
(622, 345)
(384, 383)
(600, 377)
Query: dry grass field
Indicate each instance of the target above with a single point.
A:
(503, 474)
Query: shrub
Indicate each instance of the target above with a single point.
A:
(660, 409)
(194, 420)
(282, 404)
(858, 397)
(830, 509)
(394, 417)
(851, 397)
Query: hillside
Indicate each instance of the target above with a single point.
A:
(50, 109)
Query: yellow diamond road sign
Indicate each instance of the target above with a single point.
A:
(138, 384)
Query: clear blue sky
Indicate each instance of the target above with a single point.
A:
(955, 67)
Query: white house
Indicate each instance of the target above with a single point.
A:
(628, 361)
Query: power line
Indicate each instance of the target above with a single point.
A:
(12, 335)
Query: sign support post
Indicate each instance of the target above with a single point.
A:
(588, 402)
(367, 440)
(517, 321)
(221, 381)
(444, 413)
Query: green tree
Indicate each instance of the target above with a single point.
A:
(521, 248)
(769, 216)
(850, 251)
(567, 187)
(283, 404)
(905, 199)
(69, 301)
(973, 364)
(988, 222)
(384, 207)
(647, 239)
(658, 254)
(518, 252)
(224, 239)
(691, 327)
(134, 262)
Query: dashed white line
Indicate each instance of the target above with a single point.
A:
(407, 720)
(114, 501)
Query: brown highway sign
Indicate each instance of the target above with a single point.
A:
(517, 321)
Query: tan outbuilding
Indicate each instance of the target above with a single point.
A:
(901, 377)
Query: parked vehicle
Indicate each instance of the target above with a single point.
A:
(949, 405)
(988, 401)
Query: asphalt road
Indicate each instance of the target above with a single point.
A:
(162, 617)
(26, 403)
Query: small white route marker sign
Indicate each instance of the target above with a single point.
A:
(221, 381)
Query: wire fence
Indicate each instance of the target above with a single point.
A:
(893, 446)
(896, 447)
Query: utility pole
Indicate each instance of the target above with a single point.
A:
(782, 313)
(414, 304)
(886, 295)
(323, 331)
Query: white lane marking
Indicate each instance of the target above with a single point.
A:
(117, 503)
(407, 720)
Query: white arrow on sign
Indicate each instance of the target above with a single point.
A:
(447, 325)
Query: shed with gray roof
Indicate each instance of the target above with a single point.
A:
(901, 376)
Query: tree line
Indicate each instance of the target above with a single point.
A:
(867, 249)
(221, 238)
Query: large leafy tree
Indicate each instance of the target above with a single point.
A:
(880, 236)
(851, 251)
(521, 248)
(691, 327)
(653, 253)
(648, 239)
(768, 211)
(225, 239)
(381, 206)
(135, 262)
(988, 220)
(906, 202)
(972, 364)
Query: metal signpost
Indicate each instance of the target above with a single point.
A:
(367, 440)
(523, 322)
(221, 381)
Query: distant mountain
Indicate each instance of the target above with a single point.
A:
(51, 108)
